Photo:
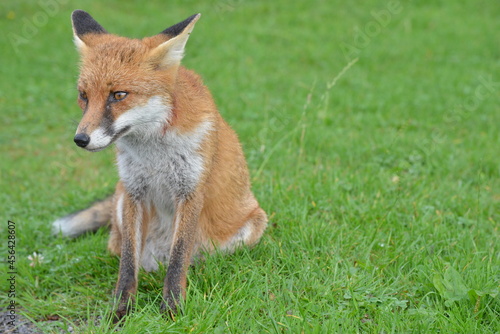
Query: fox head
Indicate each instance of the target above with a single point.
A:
(125, 85)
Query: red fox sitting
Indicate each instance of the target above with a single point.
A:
(184, 186)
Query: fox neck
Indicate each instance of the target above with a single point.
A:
(166, 164)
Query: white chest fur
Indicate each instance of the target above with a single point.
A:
(153, 162)
(160, 167)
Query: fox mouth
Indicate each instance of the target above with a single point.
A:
(99, 139)
(96, 149)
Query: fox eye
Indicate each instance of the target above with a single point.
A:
(83, 96)
(119, 95)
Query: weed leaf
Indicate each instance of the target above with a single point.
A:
(451, 286)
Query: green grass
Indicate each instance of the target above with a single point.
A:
(383, 189)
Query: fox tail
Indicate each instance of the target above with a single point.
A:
(87, 220)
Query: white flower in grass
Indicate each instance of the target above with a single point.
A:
(35, 259)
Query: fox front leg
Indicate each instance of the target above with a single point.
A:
(126, 286)
(187, 217)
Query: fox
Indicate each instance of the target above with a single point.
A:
(184, 187)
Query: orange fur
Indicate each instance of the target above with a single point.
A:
(219, 210)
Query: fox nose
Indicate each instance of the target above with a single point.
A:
(82, 139)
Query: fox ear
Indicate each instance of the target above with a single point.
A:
(170, 53)
(84, 24)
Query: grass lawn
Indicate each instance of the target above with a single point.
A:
(372, 132)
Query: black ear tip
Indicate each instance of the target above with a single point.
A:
(176, 29)
(84, 23)
(79, 14)
(193, 17)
